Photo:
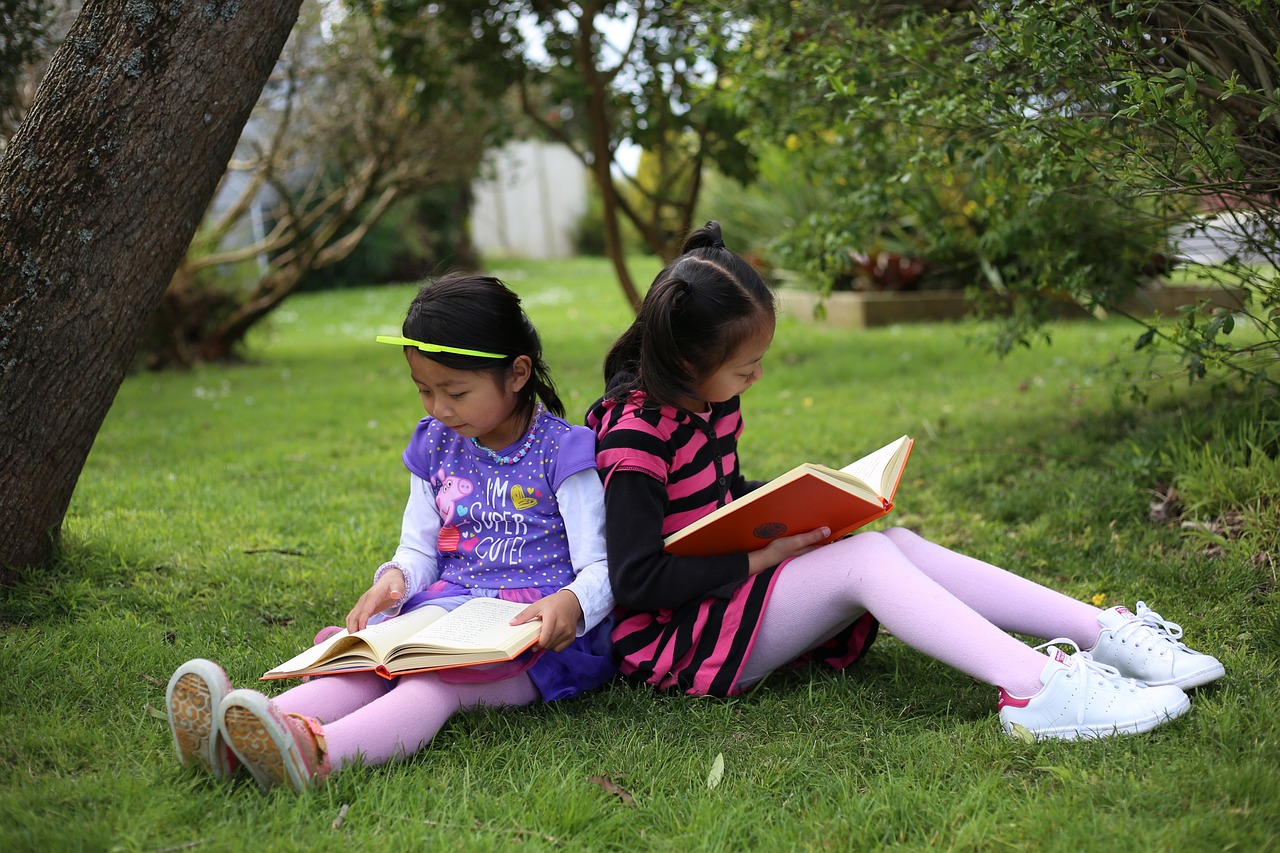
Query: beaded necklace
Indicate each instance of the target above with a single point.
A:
(524, 448)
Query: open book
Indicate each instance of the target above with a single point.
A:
(805, 498)
(427, 638)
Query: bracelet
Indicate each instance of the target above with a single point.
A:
(385, 567)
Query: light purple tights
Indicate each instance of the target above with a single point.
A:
(949, 606)
(363, 720)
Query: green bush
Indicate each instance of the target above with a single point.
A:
(1027, 151)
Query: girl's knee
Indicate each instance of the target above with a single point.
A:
(864, 543)
(852, 558)
(899, 535)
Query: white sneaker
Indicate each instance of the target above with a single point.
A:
(1147, 647)
(1084, 699)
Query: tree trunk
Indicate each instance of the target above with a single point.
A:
(602, 156)
(101, 190)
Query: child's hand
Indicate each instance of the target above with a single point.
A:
(560, 613)
(387, 591)
(785, 547)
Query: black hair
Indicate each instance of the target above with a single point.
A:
(479, 312)
(698, 311)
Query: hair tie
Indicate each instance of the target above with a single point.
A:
(717, 243)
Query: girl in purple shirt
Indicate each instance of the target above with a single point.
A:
(504, 502)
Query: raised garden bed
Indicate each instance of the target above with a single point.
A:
(865, 309)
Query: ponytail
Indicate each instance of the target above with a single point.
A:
(697, 312)
(540, 386)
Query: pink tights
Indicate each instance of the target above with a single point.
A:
(363, 718)
(949, 606)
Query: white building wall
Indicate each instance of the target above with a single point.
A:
(531, 205)
(1214, 238)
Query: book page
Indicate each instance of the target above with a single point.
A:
(374, 642)
(480, 623)
(309, 657)
(385, 636)
(873, 468)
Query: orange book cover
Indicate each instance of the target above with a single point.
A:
(807, 497)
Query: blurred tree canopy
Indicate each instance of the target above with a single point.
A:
(594, 76)
(30, 30)
(22, 36)
(1029, 150)
(334, 144)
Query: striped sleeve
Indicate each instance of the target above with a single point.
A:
(632, 438)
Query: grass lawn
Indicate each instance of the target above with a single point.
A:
(230, 512)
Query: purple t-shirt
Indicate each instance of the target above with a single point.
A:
(500, 525)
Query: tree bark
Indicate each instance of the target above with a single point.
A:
(602, 155)
(101, 190)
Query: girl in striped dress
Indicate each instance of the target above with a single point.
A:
(668, 428)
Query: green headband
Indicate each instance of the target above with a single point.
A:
(409, 342)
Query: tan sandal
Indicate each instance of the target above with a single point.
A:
(195, 691)
(277, 748)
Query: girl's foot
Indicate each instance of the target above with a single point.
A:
(278, 748)
(1084, 699)
(195, 691)
(1147, 647)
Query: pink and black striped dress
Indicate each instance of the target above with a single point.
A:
(683, 622)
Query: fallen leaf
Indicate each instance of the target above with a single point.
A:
(609, 786)
(717, 771)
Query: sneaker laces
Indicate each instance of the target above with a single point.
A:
(1082, 664)
(1151, 628)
